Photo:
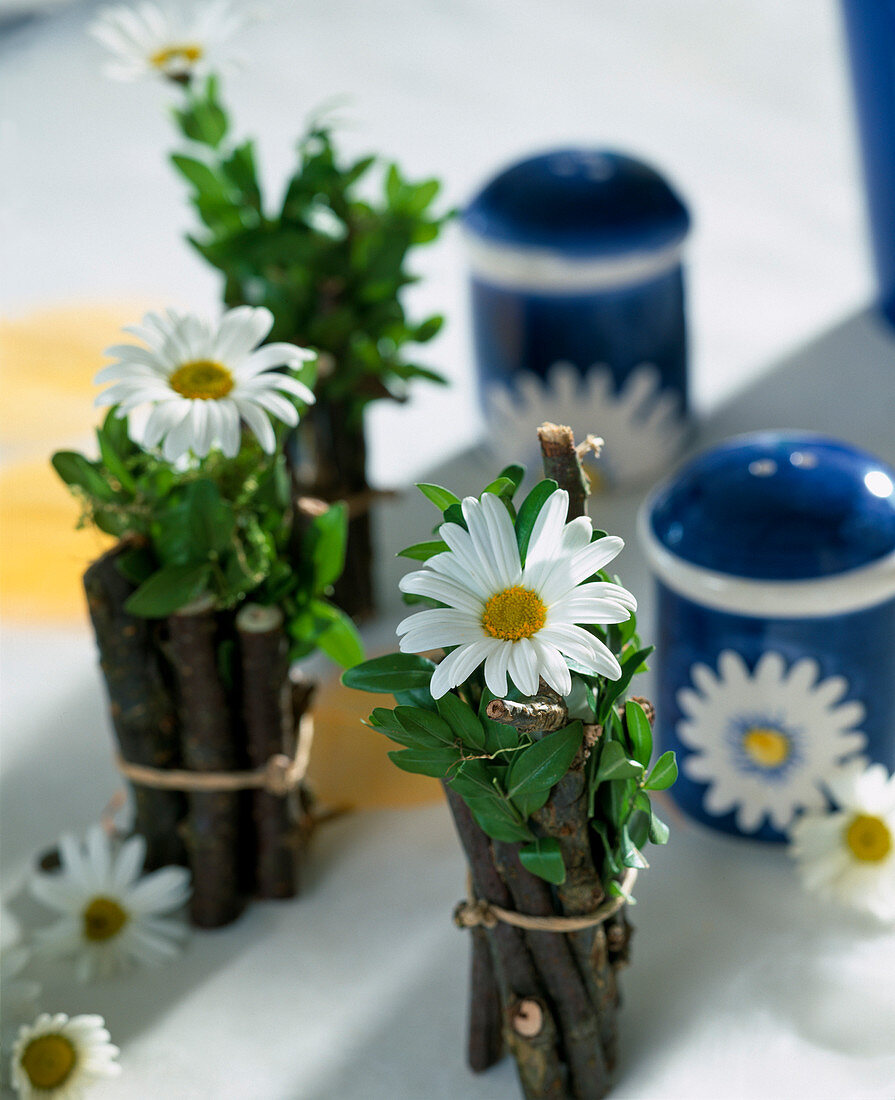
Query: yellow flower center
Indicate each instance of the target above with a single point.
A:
(103, 919)
(48, 1061)
(769, 748)
(180, 56)
(203, 379)
(513, 614)
(868, 838)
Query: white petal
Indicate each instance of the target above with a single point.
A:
(552, 666)
(241, 330)
(275, 355)
(425, 582)
(523, 667)
(502, 539)
(129, 862)
(460, 664)
(259, 423)
(595, 556)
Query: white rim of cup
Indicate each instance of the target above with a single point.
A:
(818, 597)
(545, 269)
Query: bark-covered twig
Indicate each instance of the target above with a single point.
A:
(209, 744)
(578, 1023)
(541, 1071)
(267, 716)
(563, 464)
(141, 704)
(543, 713)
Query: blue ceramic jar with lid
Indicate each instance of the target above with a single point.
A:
(578, 305)
(774, 556)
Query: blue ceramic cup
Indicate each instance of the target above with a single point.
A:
(578, 305)
(870, 34)
(774, 556)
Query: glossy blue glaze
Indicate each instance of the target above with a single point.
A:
(779, 508)
(798, 511)
(870, 31)
(580, 202)
(575, 258)
(521, 331)
(859, 646)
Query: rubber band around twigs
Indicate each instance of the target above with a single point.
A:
(476, 911)
(280, 775)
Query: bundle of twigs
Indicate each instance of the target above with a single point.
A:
(201, 704)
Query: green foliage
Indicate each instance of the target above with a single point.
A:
(223, 527)
(504, 776)
(329, 261)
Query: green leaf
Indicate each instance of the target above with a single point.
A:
(663, 774)
(514, 472)
(601, 830)
(200, 175)
(454, 514)
(211, 519)
(422, 551)
(540, 766)
(77, 472)
(528, 513)
(631, 857)
(502, 487)
(616, 890)
(544, 859)
(615, 765)
(462, 720)
(168, 589)
(417, 721)
(113, 462)
(497, 735)
(325, 545)
(658, 830)
(340, 640)
(434, 762)
(135, 565)
(474, 780)
(639, 731)
(617, 688)
(442, 498)
(391, 673)
(427, 329)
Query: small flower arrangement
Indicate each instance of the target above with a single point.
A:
(328, 259)
(220, 578)
(547, 769)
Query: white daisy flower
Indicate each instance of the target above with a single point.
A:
(849, 853)
(520, 620)
(154, 40)
(200, 382)
(640, 424)
(766, 741)
(111, 916)
(60, 1057)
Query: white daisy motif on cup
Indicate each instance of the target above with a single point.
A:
(848, 853)
(60, 1057)
(520, 620)
(766, 741)
(166, 41)
(112, 917)
(640, 425)
(195, 384)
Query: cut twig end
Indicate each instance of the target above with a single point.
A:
(527, 1019)
(256, 618)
